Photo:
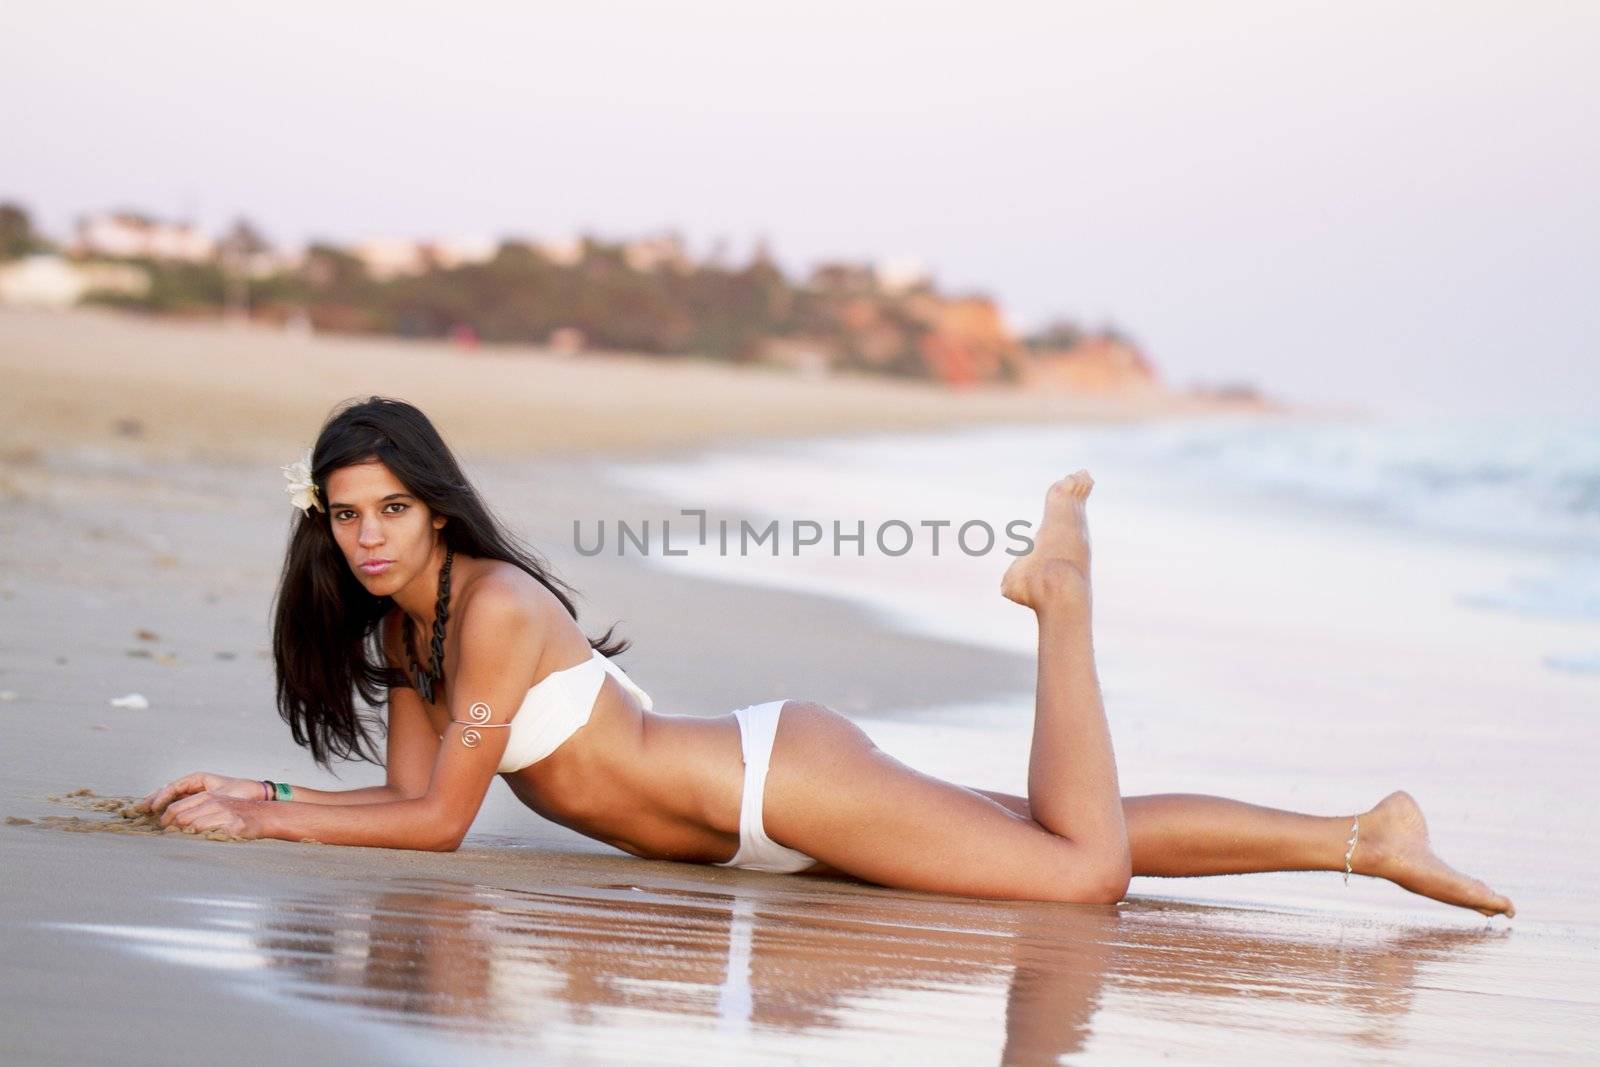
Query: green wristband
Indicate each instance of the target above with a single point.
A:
(282, 791)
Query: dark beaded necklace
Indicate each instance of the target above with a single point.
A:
(428, 684)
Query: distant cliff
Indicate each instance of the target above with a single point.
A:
(645, 295)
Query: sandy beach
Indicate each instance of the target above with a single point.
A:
(202, 388)
(142, 521)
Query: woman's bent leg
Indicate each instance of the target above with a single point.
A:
(832, 794)
(1072, 771)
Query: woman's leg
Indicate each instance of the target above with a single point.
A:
(833, 795)
(1178, 835)
(1072, 772)
(1185, 834)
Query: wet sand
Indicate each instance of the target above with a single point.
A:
(129, 570)
(595, 962)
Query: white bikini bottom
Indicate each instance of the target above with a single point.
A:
(758, 726)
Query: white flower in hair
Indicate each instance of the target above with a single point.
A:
(301, 489)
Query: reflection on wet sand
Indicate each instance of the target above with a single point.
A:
(820, 969)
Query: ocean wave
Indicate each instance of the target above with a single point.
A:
(1526, 482)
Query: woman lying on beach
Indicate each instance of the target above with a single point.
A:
(395, 552)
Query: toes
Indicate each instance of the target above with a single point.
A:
(1501, 905)
(1076, 486)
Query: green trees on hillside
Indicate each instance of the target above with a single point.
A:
(17, 235)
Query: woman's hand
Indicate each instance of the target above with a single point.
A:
(200, 812)
(202, 782)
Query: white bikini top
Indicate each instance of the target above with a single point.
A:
(557, 706)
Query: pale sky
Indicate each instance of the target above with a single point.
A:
(1392, 204)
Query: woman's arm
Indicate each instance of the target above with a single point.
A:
(411, 742)
(255, 789)
(500, 646)
(371, 794)
(412, 748)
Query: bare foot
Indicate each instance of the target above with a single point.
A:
(1059, 561)
(1393, 844)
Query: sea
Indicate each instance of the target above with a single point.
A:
(1520, 496)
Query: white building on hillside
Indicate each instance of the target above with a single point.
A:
(452, 252)
(391, 257)
(47, 281)
(563, 250)
(125, 235)
(662, 250)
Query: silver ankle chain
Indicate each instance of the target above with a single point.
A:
(1355, 829)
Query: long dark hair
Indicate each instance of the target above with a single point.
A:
(327, 641)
